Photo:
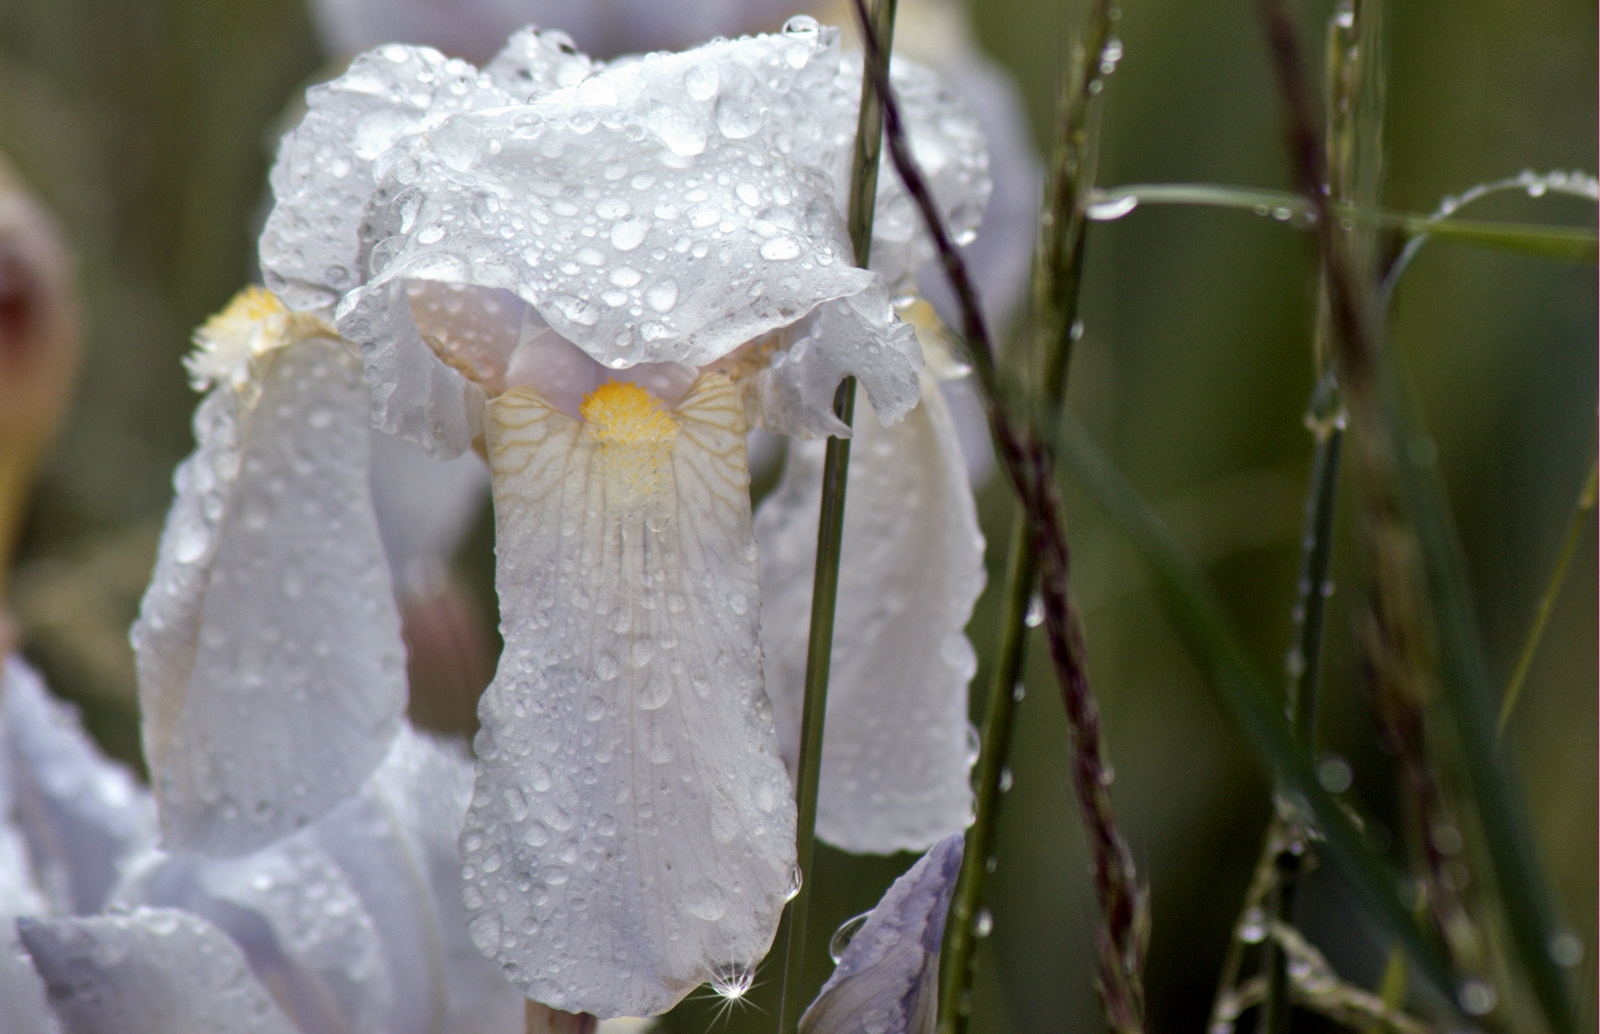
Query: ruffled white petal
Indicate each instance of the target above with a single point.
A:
(316, 244)
(669, 208)
(80, 814)
(151, 971)
(887, 981)
(895, 758)
(271, 672)
(632, 827)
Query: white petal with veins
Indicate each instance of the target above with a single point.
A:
(271, 673)
(151, 971)
(632, 827)
(894, 756)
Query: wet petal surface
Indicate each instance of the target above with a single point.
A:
(270, 665)
(895, 756)
(632, 828)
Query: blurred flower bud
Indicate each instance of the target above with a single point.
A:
(39, 345)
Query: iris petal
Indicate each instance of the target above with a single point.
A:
(632, 828)
(270, 665)
(894, 757)
(151, 971)
(887, 980)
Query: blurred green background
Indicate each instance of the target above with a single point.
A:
(148, 126)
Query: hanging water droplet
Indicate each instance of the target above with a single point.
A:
(1253, 927)
(974, 745)
(796, 881)
(1005, 779)
(1334, 774)
(841, 937)
(983, 926)
(1018, 692)
(732, 980)
(1034, 617)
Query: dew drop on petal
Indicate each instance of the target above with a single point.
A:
(842, 936)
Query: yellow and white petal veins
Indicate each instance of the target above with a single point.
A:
(895, 758)
(271, 673)
(632, 827)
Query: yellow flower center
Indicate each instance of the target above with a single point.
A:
(622, 413)
(635, 437)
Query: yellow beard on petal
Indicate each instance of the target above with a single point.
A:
(634, 435)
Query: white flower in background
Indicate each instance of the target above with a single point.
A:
(887, 979)
(69, 821)
(271, 676)
(352, 924)
(599, 274)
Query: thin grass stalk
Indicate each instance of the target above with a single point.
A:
(830, 537)
(1547, 600)
(957, 957)
(1058, 266)
(1422, 628)
(1353, 69)
(1029, 464)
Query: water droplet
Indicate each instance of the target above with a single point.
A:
(192, 542)
(1034, 617)
(974, 744)
(1565, 949)
(1345, 16)
(1334, 774)
(1115, 208)
(780, 249)
(662, 295)
(732, 980)
(1476, 997)
(701, 81)
(842, 936)
(431, 235)
(796, 880)
(801, 25)
(1253, 927)
(1018, 692)
(1446, 838)
(629, 234)
(983, 926)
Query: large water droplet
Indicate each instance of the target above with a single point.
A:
(840, 941)
(732, 980)
(1034, 617)
(662, 295)
(797, 879)
(701, 81)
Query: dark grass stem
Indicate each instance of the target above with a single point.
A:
(830, 536)
(1058, 265)
(1029, 463)
(1547, 600)
(1420, 636)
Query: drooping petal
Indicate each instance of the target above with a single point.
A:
(895, 758)
(316, 244)
(271, 672)
(887, 981)
(80, 814)
(631, 830)
(151, 971)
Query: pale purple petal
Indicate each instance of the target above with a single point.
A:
(887, 980)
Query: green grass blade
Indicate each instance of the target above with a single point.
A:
(1198, 617)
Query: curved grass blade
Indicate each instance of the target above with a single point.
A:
(1197, 616)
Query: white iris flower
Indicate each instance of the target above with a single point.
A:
(599, 277)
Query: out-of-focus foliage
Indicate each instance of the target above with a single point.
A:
(148, 126)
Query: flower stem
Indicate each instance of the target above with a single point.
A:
(830, 536)
(1530, 646)
(960, 930)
